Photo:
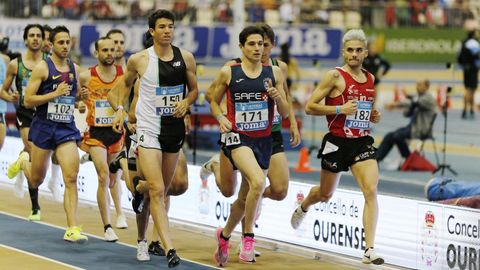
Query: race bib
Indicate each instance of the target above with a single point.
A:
(361, 119)
(230, 138)
(61, 109)
(166, 97)
(104, 113)
(277, 118)
(251, 116)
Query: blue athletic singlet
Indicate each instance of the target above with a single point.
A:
(249, 107)
(60, 109)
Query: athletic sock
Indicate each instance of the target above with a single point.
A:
(34, 198)
(106, 227)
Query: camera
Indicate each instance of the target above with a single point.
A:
(4, 44)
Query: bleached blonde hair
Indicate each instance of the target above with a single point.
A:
(355, 34)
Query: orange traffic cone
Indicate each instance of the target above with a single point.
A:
(303, 161)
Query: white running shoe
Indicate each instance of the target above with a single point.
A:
(370, 256)
(142, 251)
(18, 188)
(121, 222)
(110, 235)
(239, 249)
(206, 169)
(297, 217)
(54, 188)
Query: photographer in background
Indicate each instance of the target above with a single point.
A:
(468, 58)
(421, 109)
(4, 41)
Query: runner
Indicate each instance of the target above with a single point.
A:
(349, 97)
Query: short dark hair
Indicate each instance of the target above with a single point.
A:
(249, 30)
(98, 40)
(114, 31)
(158, 14)
(148, 40)
(268, 31)
(30, 26)
(56, 30)
(47, 28)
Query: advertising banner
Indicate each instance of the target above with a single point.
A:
(203, 42)
(417, 45)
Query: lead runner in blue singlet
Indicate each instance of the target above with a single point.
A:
(246, 132)
(52, 89)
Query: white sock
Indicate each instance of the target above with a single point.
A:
(55, 173)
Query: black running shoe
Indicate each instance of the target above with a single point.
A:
(114, 166)
(156, 249)
(172, 258)
(137, 201)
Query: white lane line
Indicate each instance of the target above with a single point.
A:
(40, 257)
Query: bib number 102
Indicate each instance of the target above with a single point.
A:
(62, 108)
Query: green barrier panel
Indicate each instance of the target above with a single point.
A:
(418, 45)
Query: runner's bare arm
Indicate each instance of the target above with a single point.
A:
(182, 106)
(83, 92)
(7, 83)
(223, 79)
(332, 82)
(278, 93)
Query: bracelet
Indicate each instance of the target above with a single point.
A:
(337, 109)
(119, 107)
(218, 117)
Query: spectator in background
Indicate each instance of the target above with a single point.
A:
(67, 9)
(421, 110)
(136, 11)
(225, 12)
(293, 70)
(289, 11)
(468, 58)
(256, 12)
(375, 64)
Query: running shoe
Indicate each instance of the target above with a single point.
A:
(370, 256)
(247, 253)
(74, 235)
(15, 167)
(110, 235)
(35, 215)
(172, 258)
(121, 222)
(297, 217)
(239, 249)
(221, 253)
(206, 169)
(156, 249)
(142, 251)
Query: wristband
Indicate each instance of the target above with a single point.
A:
(218, 117)
(119, 107)
(337, 109)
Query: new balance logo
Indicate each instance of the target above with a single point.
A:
(176, 64)
(239, 80)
